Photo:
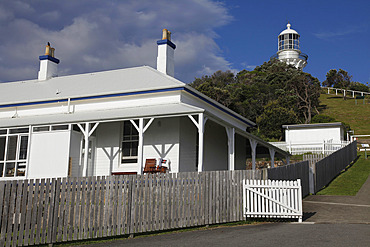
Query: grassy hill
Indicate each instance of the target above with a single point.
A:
(350, 182)
(357, 116)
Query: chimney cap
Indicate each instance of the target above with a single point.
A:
(49, 54)
(166, 39)
(49, 51)
(166, 34)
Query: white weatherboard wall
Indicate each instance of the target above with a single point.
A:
(49, 154)
(215, 147)
(240, 152)
(161, 140)
(317, 135)
(75, 153)
(188, 145)
(107, 157)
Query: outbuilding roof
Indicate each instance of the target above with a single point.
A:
(316, 125)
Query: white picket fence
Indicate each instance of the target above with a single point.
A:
(326, 147)
(272, 199)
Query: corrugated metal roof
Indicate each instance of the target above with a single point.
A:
(315, 125)
(104, 115)
(83, 85)
(99, 84)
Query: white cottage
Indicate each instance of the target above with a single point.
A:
(110, 122)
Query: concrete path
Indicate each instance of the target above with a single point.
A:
(339, 209)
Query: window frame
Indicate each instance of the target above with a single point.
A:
(132, 138)
(288, 42)
(18, 164)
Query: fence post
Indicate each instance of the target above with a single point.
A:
(300, 200)
(311, 179)
(323, 147)
(130, 206)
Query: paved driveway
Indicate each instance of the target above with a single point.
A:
(340, 212)
(339, 209)
(270, 234)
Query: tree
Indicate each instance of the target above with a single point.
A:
(307, 90)
(338, 79)
(265, 83)
(357, 86)
(273, 117)
(216, 86)
(271, 91)
(321, 118)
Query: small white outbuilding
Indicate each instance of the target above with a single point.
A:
(314, 133)
(110, 122)
(323, 138)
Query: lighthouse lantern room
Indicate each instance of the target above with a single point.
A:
(289, 49)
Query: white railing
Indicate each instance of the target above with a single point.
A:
(272, 199)
(346, 91)
(326, 147)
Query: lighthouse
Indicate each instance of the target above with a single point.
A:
(289, 48)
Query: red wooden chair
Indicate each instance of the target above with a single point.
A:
(150, 166)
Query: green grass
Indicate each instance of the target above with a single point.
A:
(348, 183)
(357, 116)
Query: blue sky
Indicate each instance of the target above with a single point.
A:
(334, 34)
(94, 35)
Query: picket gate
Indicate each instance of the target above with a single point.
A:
(272, 199)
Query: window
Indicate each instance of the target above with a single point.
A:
(50, 128)
(41, 128)
(59, 127)
(19, 130)
(13, 152)
(2, 148)
(289, 41)
(130, 143)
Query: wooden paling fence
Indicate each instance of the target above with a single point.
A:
(299, 170)
(329, 167)
(46, 211)
(272, 199)
(314, 158)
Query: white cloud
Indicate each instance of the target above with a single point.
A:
(248, 66)
(93, 35)
(251, 67)
(340, 33)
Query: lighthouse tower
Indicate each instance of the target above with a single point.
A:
(288, 48)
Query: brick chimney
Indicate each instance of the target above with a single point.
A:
(166, 52)
(48, 64)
